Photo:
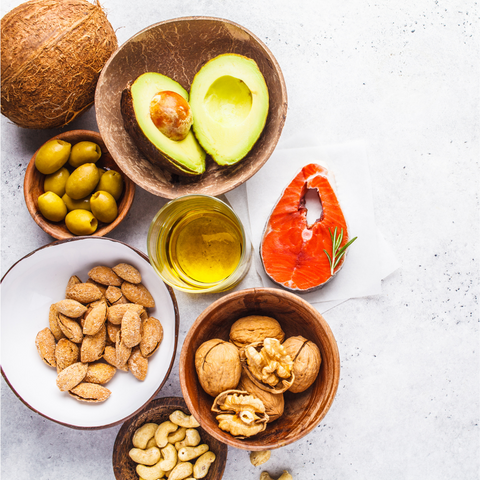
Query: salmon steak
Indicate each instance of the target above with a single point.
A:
(298, 256)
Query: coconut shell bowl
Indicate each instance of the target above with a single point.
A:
(302, 411)
(158, 411)
(178, 48)
(33, 188)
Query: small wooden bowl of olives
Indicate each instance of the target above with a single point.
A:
(82, 149)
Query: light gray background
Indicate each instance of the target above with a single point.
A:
(404, 76)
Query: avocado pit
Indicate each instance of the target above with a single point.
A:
(171, 114)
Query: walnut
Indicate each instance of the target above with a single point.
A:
(218, 366)
(268, 365)
(241, 414)
(306, 362)
(255, 328)
(274, 402)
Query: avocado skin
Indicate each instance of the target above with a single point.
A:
(153, 154)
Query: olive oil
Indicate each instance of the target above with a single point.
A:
(196, 243)
(205, 247)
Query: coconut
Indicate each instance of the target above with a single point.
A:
(52, 54)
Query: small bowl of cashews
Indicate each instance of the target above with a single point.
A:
(165, 440)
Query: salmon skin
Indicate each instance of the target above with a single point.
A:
(296, 255)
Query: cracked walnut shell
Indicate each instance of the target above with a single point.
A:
(268, 365)
(306, 362)
(218, 366)
(255, 328)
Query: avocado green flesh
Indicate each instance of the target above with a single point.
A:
(187, 155)
(229, 101)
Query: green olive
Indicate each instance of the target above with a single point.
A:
(84, 152)
(111, 182)
(55, 182)
(82, 181)
(52, 207)
(101, 171)
(82, 204)
(52, 156)
(81, 222)
(104, 206)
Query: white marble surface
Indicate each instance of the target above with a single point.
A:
(404, 77)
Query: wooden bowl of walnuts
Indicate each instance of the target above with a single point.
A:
(157, 412)
(221, 368)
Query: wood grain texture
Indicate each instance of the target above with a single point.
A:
(158, 411)
(303, 411)
(178, 48)
(33, 188)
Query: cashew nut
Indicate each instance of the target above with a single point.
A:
(169, 454)
(143, 434)
(259, 458)
(177, 436)
(151, 443)
(200, 469)
(188, 453)
(181, 471)
(284, 476)
(162, 432)
(145, 457)
(192, 439)
(183, 420)
(150, 473)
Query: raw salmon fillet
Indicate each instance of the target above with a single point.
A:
(292, 251)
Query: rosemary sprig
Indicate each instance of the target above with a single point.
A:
(337, 252)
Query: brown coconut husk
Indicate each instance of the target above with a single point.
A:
(52, 53)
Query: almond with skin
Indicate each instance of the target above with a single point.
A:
(113, 294)
(112, 331)
(45, 343)
(73, 280)
(131, 328)
(93, 346)
(105, 276)
(138, 293)
(71, 376)
(116, 312)
(95, 319)
(66, 354)
(53, 323)
(122, 351)
(90, 392)
(100, 373)
(84, 293)
(70, 328)
(101, 287)
(152, 336)
(138, 364)
(71, 308)
(127, 272)
(110, 356)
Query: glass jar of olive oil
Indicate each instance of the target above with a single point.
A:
(197, 244)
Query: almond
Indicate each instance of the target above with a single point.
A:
(122, 351)
(131, 328)
(71, 376)
(101, 287)
(70, 328)
(53, 323)
(113, 294)
(138, 293)
(138, 364)
(71, 308)
(95, 319)
(112, 331)
(127, 272)
(45, 343)
(93, 346)
(84, 293)
(152, 336)
(110, 356)
(90, 392)
(116, 312)
(105, 276)
(66, 354)
(99, 373)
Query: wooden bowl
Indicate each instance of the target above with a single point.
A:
(178, 48)
(303, 411)
(33, 188)
(158, 411)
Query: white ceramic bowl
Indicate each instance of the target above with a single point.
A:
(28, 290)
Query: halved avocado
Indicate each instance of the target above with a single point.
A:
(229, 101)
(184, 157)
